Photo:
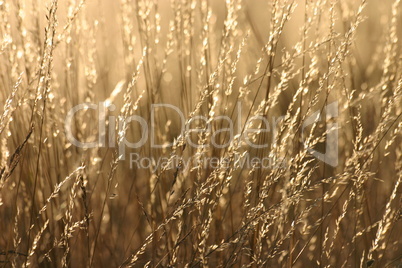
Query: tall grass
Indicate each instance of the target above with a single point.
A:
(278, 61)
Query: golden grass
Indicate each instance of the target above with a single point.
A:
(223, 61)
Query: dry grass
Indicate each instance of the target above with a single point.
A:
(66, 206)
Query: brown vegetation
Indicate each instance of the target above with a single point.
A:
(66, 206)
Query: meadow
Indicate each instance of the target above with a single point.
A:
(200, 133)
